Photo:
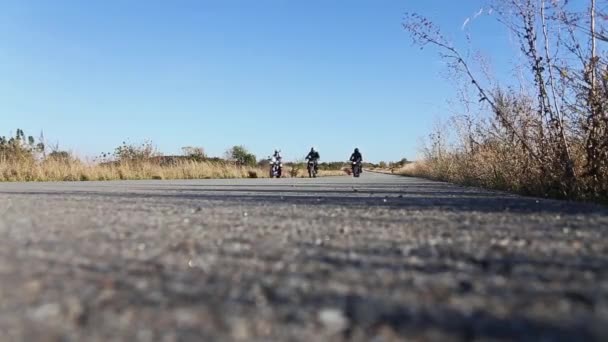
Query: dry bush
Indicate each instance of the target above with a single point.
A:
(136, 153)
(19, 148)
(550, 136)
(294, 171)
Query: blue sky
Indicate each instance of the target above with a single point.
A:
(268, 73)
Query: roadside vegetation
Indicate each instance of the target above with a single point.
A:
(542, 131)
(24, 158)
(388, 167)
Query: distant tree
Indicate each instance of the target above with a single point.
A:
(382, 165)
(62, 156)
(400, 163)
(194, 153)
(241, 156)
(264, 162)
(42, 144)
(19, 147)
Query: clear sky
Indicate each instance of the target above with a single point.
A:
(267, 73)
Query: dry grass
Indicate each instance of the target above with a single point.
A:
(303, 173)
(409, 169)
(75, 170)
(416, 169)
(501, 169)
(332, 173)
(51, 170)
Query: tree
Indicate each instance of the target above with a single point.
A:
(241, 156)
(60, 156)
(194, 153)
(19, 147)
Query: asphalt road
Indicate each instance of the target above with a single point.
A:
(377, 258)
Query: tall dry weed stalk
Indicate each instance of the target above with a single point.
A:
(549, 135)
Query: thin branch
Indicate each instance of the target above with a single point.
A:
(549, 62)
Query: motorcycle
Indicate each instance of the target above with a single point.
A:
(312, 169)
(356, 167)
(276, 168)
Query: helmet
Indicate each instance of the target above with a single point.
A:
(356, 150)
(276, 151)
(312, 149)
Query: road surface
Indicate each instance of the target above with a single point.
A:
(377, 258)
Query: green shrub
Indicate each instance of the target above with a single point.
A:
(241, 156)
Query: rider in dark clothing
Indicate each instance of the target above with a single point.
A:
(314, 157)
(356, 156)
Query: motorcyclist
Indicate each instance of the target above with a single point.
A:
(314, 157)
(277, 156)
(356, 157)
(275, 160)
